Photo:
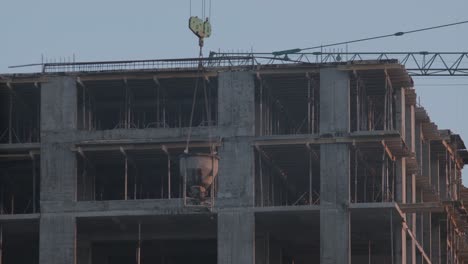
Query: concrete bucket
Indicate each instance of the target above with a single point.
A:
(200, 171)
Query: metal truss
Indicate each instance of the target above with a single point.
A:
(416, 63)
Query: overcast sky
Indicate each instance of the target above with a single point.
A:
(143, 29)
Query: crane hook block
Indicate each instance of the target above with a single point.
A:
(200, 28)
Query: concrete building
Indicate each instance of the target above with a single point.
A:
(318, 163)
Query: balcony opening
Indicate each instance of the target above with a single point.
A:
(19, 113)
(372, 174)
(287, 104)
(131, 174)
(287, 175)
(19, 184)
(140, 104)
(156, 239)
(373, 102)
(20, 241)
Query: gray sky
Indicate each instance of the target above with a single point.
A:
(142, 29)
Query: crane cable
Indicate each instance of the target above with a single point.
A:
(396, 34)
(197, 77)
(200, 70)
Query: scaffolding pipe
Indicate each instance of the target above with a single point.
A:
(391, 236)
(168, 176)
(261, 179)
(310, 176)
(355, 175)
(369, 251)
(83, 108)
(34, 184)
(139, 244)
(261, 108)
(126, 177)
(309, 125)
(358, 114)
(10, 118)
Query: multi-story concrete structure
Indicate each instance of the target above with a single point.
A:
(318, 163)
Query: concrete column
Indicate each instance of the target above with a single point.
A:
(435, 173)
(236, 174)
(58, 104)
(236, 105)
(335, 245)
(413, 218)
(400, 108)
(58, 170)
(236, 102)
(58, 162)
(236, 237)
(334, 199)
(57, 239)
(236, 227)
(400, 183)
(334, 101)
(426, 159)
(418, 145)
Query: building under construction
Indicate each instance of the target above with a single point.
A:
(235, 162)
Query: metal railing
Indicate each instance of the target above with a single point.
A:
(149, 65)
(416, 63)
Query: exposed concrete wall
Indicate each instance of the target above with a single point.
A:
(57, 239)
(236, 237)
(236, 173)
(58, 104)
(400, 181)
(334, 199)
(58, 170)
(334, 180)
(58, 167)
(400, 111)
(58, 162)
(236, 102)
(334, 101)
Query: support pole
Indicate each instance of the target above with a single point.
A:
(168, 176)
(261, 108)
(369, 251)
(358, 113)
(261, 178)
(391, 238)
(126, 177)
(10, 118)
(355, 174)
(33, 183)
(139, 244)
(310, 175)
(84, 108)
(309, 125)
(164, 148)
